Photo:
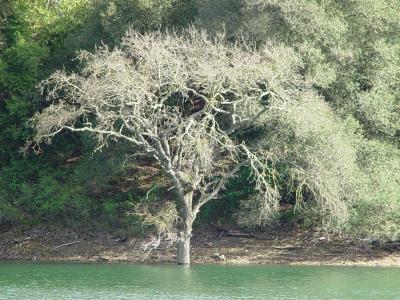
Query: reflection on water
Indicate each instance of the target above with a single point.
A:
(120, 281)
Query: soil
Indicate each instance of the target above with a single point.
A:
(291, 247)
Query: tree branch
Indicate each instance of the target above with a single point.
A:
(220, 184)
(106, 132)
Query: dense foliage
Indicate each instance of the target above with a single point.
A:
(335, 146)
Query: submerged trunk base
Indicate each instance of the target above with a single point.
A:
(183, 252)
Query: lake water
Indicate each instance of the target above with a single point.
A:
(123, 281)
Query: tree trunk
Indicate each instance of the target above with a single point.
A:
(183, 251)
(183, 247)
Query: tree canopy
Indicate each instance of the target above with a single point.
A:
(183, 100)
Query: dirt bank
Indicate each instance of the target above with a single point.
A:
(295, 248)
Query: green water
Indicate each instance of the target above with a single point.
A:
(120, 281)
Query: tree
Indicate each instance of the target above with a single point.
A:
(184, 100)
(48, 21)
(350, 50)
(350, 53)
(5, 19)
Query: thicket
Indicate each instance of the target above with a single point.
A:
(336, 148)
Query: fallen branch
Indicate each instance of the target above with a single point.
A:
(67, 244)
(224, 232)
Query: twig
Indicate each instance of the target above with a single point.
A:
(64, 245)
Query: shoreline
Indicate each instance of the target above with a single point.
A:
(294, 249)
(380, 263)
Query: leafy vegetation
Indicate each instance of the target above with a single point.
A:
(335, 145)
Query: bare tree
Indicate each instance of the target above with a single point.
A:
(182, 99)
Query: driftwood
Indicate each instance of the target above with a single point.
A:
(64, 245)
(223, 232)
